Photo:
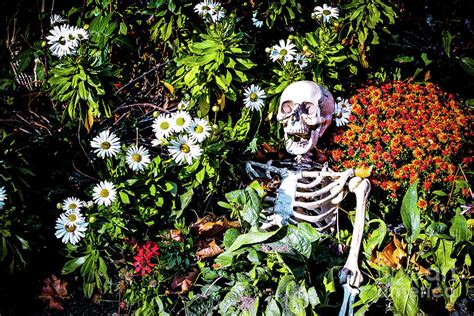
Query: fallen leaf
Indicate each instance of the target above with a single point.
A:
(174, 234)
(185, 282)
(393, 255)
(209, 226)
(211, 250)
(270, 185)
(422, 271)
(54, 290)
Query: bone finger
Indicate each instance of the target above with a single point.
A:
(347, 294)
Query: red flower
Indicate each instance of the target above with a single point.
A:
(145, 252)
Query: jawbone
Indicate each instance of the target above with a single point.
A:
(301, 147)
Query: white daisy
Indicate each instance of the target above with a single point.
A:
(254, 96)
(199, 130)
(62, 40)
(56, 19)
(184, 149)
(181, 120)
(137, 158)
(106, 144)
(72, 217)
(163, 126)
(285, 51)
(217, 14)
(69, 233)
(3, 196)
(79, 33)
(256, 22)
(325, 12)
(342, 112)
(301, 61)
(205, 7)
(72, 203)
(104, 193)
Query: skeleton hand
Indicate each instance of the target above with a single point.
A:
(351, 274)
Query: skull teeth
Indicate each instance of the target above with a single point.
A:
(299, 147)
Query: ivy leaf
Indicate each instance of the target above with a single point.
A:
(411, 213)
(404, 298)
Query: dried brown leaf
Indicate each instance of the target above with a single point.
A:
(210, 251)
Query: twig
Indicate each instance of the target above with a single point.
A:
(151, 105)
(143, 75)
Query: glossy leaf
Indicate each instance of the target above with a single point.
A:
(404, 298)
(411, 213)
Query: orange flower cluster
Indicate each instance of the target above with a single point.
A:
(406, 131)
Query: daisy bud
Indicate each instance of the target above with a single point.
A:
(215, 127)
(215, 108)
(59, 206)
(86, 26)
(305, 48)
(291, 37)
(43, 43)
(92, 219)
(268, 50)
(156, 114)
(90, 204)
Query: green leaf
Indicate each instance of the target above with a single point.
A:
(459, 229)
(297, 298)
(250, 239)
(467, 63)
(186, 198)
(404, 298)
(272, 308)
(73, 264)
(313, 297)
(124, 197)
(411, 213)
(230, 236)
(231, 304)
(376, 236)
(447, 39)
(280, 294)
(455, 289)
(442, 255)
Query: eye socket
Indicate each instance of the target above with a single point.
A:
(287, 107)
(311, 108)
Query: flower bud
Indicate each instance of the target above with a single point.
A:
(215, 108)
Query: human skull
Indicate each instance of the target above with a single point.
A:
(306, 111)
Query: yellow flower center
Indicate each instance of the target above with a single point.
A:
(180, 121)
(70, 229)
(185, 148)
(137, 157)
(62, 40)
(104, 193)
(283, 52)
(72, 217)
(326, 12)
(164, 125)
(72, 206)
(253, 96)
(105, 145)
(199, 129)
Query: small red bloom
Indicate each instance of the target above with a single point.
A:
(145, 252)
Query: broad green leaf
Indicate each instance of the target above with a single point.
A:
(73, 264)
(124, 197)
(186, 198)
(328, 281)
(404, 298)
(442, 255)
(376, 236)
(455, 289)
(447, 39)
(250, 238)
(280, 294)
(467, 63)
(230, 236)
(231, 304)
(459, 229)
(272, 308)
(411, 213)
(297, 298)
(313, 297)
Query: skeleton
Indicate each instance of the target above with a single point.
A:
(310, 191)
